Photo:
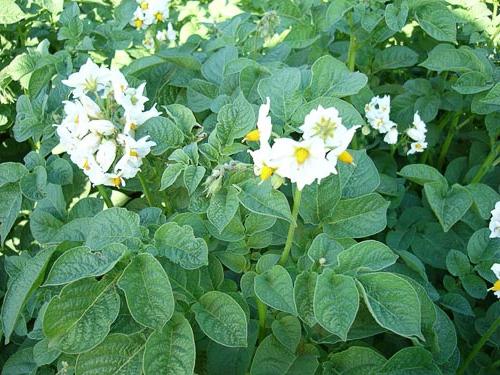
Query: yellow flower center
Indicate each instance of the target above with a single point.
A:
(77, 119)
(418, 146)
(325, 128)
(133, 153)
(159, 16)
(91, 84)
(301, 154)
(133, 126)
(144, 5)
(86, 165)
(346, 157)
(496, 286)
(266, 172)
(379, 122)
(116, 181)
(252, 136)
(138, 23)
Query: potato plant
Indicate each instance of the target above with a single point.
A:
(255, 187)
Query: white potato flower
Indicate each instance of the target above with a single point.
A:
(90, 78)
(377, 113)
(416, 147)
(495, 222)
(264, 125)
(496, 286)
(417, 134)
(339, 149)
(106, 154)
(139, 19)
(324, 123)
(392, 136)
(102, 127)
(302, 162)
(132, 99)
(133, 119)
(76, 120)
(171, 34)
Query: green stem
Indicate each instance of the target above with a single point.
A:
(487, 164)
(105, 195)
(477, 347)
(261, 311)
(351, 53)
(145, 188)
(291, 230)
(449, 138)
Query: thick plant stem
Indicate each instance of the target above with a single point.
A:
(145, 188)
(477, 347)
(105, 196)
(447, 142)
(487, 164)
(261, 311)
(351, 53)
(291, 230)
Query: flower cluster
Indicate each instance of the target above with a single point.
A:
(152, 12)
(98, 130)
(377, 113)
(417, 134)
(324, 142)
(496, 286)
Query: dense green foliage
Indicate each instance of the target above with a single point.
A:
(390, 260)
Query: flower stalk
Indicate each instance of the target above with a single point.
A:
(145, 189)
(261, 311)
(487, 164)
(104, 194)
(291, 230)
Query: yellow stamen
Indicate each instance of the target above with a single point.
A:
(144, 5)
(116, 181)
(133, 153)
(301, 154)
(77, 119)
(253, 136)
(159, 16)
(346, 157)
(133, 126)
(86, 165)
(496, 286)
(138, 23)
(266, 172)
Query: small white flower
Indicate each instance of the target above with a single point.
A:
(419, 124)
(137, 148)
(149, 42)
(340, 146)
(161, 35)
(106, 154)
(263, 165)
(90, 78)
(90, 107)
(325, 124)
(495, 222)
(496, 286)
(76, 120)
(264, 125)
(102, 127)
(418, 146)
(157, 11)
(377, 113)
(134, 119)
(113, 179)
(171, 34)
(392, 136)
(302, 162)
(132, 99)
(139, 20)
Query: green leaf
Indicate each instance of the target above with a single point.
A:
(222, 208)
(360, 177)
(458, 263)
(288, 331)
(59, 171)
(170, 175)
(471, 83)
(395, 17)
(43, 355)
(437, 21)
(275, 288)
(365, 256)
(358, 217)
(10, 205)
(355, 360)
(458, 303)
(179, 244)
(222, 319)
(271, 357)
(303, 292)
(449, 206)
(330, 77)
(114, 225)
(148, 291)
(200, 94)
(392, 302)
(410, 361)
(11, 13)
(319, 200)
(34, 184)
(421, 174)
(336, 303)
(192, 177)
(323, 246)
(235, 120)
(281, 87)
(483, 248)
(213, 68)
(484, 198)
(394, 57)
(493, 96)
(171, 349)
(20, 289)
(163, 132)
(117, 354)
(11, 172)
(445, 57)
(336, 11)
(262, 199)
(80, 317)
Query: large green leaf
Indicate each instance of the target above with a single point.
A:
(319, 200)
(275, 288)
(222, 208)
(357, 360)
(148, 291)
(393, 302)
(437, 21)
(410, 361)
(171, 349)
(365, 256)
(222, 319)
(114, 225)
(80, 262)
(303, 293)
(234, 120)
(360, 177)
(11, 13)
(117, 354)
(336, 302)
(80, 317)
(20, 289)
(10, 205)
(179, 244)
